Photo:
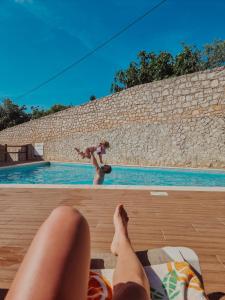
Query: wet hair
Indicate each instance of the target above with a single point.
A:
(109, 169)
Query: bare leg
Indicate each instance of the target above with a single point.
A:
(56, 265)
(82, 154)
(130, 281)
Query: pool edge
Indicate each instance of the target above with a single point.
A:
(26, 164)
(114, 187)
(106, 187)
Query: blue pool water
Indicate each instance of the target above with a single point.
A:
(68, 173)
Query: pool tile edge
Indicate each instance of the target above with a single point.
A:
(114, 187)
(33, 163)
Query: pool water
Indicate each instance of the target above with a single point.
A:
(69, 173)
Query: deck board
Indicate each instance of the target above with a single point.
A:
(191, 219)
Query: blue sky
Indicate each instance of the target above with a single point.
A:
(40, 37)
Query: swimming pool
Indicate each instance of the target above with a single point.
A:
(70, 173)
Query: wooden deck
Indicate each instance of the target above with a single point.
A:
(192, 219)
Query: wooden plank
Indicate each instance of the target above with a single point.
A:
(191, 219)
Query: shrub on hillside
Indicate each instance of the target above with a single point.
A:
(151, 66)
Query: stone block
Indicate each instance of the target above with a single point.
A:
(194, 78)
(165, 92)
(214, 83)
(188, 98)
(185, 92)
(195, 112)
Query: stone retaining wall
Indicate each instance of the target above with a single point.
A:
(174, 122)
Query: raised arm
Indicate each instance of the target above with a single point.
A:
(94, 162)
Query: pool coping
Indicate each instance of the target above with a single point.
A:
(115, 187)
(25, 164)
(110, 187)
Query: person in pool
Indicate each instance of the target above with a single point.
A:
(99, 171)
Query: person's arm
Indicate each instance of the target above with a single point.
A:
(94, 162)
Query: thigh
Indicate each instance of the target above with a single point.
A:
(57, 262)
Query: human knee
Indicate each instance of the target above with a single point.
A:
(68, 214)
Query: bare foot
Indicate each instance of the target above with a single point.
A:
(120, 220)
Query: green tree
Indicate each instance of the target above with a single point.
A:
(127, 78)
(160, 66)
(149, 67)
(12, 114)
(152, 66)
(145, 74)
(92, 98)
(57, 107)
(214, 54)
(38, 112)
(188, 61)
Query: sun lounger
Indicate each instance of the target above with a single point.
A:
(173, 272)
(167, 270)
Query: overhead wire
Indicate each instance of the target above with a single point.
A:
(84, 57)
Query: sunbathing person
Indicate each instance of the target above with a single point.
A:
(100, 171)
(100, 149)
(56, 266)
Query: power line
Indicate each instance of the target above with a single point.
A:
(100, 46)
